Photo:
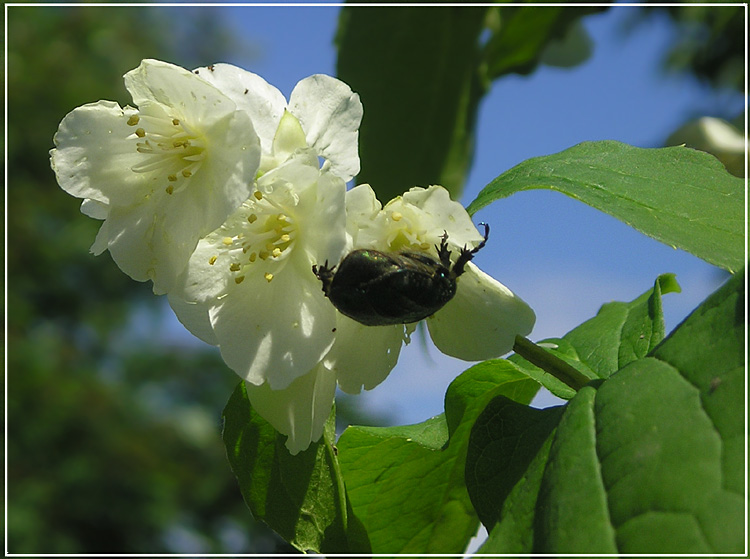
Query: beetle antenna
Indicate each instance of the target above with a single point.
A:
(467, 254)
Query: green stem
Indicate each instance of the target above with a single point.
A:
(550, 363)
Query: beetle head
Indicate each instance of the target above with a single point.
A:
(325, 275)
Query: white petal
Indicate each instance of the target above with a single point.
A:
(195, 317)
(185, 93)
(330, 114)
(439, 213)
(263, 102)
(94, 209)
(274, 331)
(363, 356)
(482, 320)
(300, 410)
(95, 153)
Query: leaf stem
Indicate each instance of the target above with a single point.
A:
(550, 363)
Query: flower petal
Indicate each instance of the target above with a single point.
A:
(274, 331)
(299, 411)
(263, 102)
(185, 93)
(195, 317)
(363, 356)
(95, 150)
(482, 320)
(330, 114)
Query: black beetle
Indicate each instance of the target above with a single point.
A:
(379, 288)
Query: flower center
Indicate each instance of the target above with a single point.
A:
(172, 152)
(265, 237)
(403, 233)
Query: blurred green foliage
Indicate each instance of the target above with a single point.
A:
(114, 439)
(711, 43)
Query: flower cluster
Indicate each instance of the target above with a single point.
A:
(225, 196)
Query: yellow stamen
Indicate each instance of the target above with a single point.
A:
(239, 279)
(227, 240)
(268, 276)
(133, 120)
(212, 260)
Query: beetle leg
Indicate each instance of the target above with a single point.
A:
(443, 253)
(467, 254)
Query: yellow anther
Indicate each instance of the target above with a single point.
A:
(187, 173)
(268, 276)
(258, 195)
(176, 121)
(169, 189)
(252, 218)
(172, 178)
(396, 216)
(263, 254)
(276, 252)
(285, 238)
(133, 120)
(212, 260)
(253, 256)
(227, 240)
(234, 267)
(239, 279)
(140, 132)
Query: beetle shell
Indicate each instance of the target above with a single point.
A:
(379, 288)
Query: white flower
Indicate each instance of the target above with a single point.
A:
(160, 176)
(249, 286)
(484, 317)
(480, 322)
(326, 110)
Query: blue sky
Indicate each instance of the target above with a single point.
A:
(564, 258)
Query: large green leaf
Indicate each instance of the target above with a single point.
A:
(623, 332)
(301, 497)
(679, 196)
(406, 484)
(651, 461)
(618, 334)
(416, 71)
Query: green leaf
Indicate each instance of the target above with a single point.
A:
(679, 196)
(417, 73)
(623, 332)
(653, 460)
(406, 484)
(301, 497)
(618, 334)
(505, 439)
